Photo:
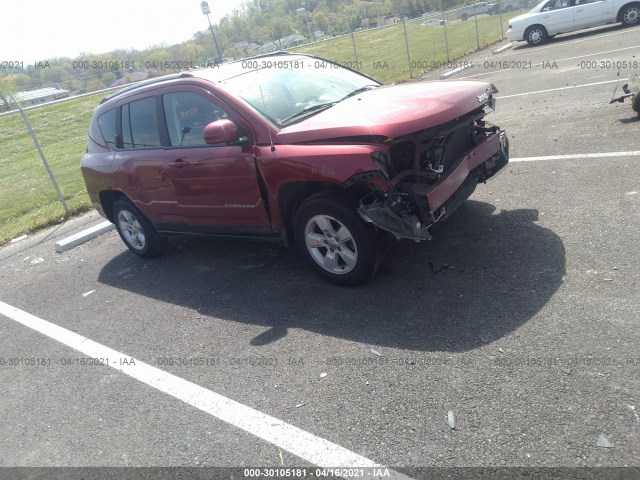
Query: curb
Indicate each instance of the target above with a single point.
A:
(450, 73)
(84, 236)
(503, 48)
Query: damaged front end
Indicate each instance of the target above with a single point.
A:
(631, 91)
(424, 177)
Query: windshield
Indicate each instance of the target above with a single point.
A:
(288, 91)
(538, 7)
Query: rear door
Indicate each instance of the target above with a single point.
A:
(591, 13)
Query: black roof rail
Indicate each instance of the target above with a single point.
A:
(144, 83)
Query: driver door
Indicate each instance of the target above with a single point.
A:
(215, 186)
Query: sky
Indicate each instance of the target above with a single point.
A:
(34, 30)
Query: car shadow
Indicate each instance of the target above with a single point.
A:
(565, 37)
(493, 271)
(635, 118)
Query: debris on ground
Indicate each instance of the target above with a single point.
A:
(323, 374)
(17, 239)
(566, 370)
(451, 420)
(36, 261)
(604, 442)
(301, 404)
(375, 352)
(86, 294)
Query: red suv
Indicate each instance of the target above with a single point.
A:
(292, 149)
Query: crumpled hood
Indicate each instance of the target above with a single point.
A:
(390, 111)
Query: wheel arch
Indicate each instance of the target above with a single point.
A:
(293, 194)
(107, 199)
(621, 9)
(528, 29)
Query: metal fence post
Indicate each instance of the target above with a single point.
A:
(44, 160)
(477, 34)
(355, 50)
(406, 41)
(501, 21)
(446, 40)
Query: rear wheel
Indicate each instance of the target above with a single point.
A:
(464, 17)
(335, 241)
(630, 15)
(136, 230)
(536, 35)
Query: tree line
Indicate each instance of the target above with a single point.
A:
(258, 22)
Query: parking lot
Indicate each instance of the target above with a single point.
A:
(526, 328)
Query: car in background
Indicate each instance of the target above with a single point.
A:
(476, 9)
(291, 149)
(506, 6)
(552, 17)
(434, 22)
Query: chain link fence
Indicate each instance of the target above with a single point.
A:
(406, 48)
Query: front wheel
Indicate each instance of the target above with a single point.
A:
(536, 35)
(136, 230)
(630, 15)
(336, 242)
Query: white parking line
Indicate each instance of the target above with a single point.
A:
(577, 155)
(307, 446)
(480, 63)
(561, 88)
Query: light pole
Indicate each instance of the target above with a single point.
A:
(204, 6)
(304, 11)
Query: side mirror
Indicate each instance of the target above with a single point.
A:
(220, 131)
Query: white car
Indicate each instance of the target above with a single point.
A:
(434, 22)
(552, 17)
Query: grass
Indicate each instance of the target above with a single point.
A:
(382, 52)
(28, 200)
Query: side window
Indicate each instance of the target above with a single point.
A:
(187, 114)
(558, 4)
(143, 123)
(107, 124)
(127, 139)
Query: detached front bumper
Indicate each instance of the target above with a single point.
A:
(487, 158)
(444, 196)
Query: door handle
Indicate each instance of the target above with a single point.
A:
(179, 163)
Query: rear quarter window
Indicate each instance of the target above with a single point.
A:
(107, 125)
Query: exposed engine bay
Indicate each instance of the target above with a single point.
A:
(412, 188)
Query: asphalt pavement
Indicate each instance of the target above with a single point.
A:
(526, 329)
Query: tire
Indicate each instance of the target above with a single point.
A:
(536, 35)
(464, 17)
(340, 246)
(136, 231)
(635, 104)
(630, 15)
